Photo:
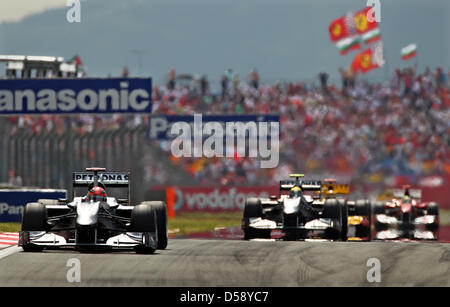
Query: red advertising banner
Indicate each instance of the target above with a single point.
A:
(214, 199)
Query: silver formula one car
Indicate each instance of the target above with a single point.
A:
(297, 215)
(95, 221)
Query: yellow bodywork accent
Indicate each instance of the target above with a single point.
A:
(355, 220)
(337, 188)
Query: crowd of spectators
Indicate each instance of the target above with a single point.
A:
(400, 127)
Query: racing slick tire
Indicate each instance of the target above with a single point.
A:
(433, 209)
(362, 207)
(344, 219)
(160, 209)
(253, 209)
(332, 210)
(143, 219)
(379, 208)
(34, 219)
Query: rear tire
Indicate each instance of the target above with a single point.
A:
(379, 208)
(362, 207)
(344, 219)
(143, 219)
(332, 210)
(34, 218)
(160, 209)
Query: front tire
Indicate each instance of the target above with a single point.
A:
(160, 209)
(143, 219)
(253, 209)
(34, 218)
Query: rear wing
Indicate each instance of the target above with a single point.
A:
(342, 189)
(286, 185)
(413, 193)
(108, 179)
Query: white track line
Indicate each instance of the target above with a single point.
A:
(9, 251)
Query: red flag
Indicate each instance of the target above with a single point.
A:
(368, 59)
(338, 29)
(362, 23)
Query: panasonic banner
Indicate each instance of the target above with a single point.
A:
(82, 95)
(12, 202)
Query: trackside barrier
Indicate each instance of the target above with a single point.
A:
(210, 199)
(12, 202)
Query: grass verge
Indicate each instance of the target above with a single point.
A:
(9, 227)
(187, 223)
(182, 224)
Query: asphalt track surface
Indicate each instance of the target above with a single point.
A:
(228, 263)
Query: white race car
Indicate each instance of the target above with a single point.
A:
(95, 221)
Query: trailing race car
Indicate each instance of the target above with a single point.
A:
(359, 211)
(95, 221)
(406, 217)
(298, 215)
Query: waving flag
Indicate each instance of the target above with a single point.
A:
(362, 23)
(369, 59)
(409, 52)
(338, 29)
(371, 36)
(348, 44)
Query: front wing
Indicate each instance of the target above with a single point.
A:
(121, 241)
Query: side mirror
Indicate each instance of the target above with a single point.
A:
(122, 201)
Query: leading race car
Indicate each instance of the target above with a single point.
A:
(95, 221)
(298, 215)
(406, 216)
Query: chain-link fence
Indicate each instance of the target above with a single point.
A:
(48, 159)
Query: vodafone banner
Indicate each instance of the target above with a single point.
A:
(214, 199)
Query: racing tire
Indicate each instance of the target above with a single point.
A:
(332, 210)
(344, 219)
(143, 219)
(433, 209)
(253, 208)
(379, 208)
(34, 218)
(362, 207)
(160, 209)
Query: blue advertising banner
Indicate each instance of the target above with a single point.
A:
(160, 126)
(78, 95)
(12, 202)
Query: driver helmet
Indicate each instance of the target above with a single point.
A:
(406, 199)
(295, 192)
(97, 194)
